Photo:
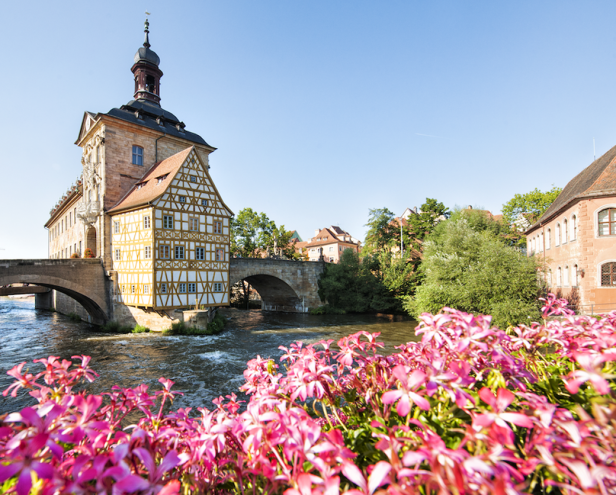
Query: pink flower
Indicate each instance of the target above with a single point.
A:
(591, 370)
(498, 417)
(405, 393)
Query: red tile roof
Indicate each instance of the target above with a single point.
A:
(150, 188)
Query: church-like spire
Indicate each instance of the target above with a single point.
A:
(146, 71)
(146, 43)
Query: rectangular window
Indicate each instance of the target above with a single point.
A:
(193, 224)
(182, 288)
(182, 199)
(163, 288)
(218, 287)
(146, 289)
(220, 255)
(204, 202)
(116, 227)
(167, 222)
(200, 253)
(146, 222)
(193, 178)
(192, 288)
(331, 248)
(179, 252)
(132, 289)
(217, 227)
(148, 253)
(137, 155)
(164, 252)
(118, 255)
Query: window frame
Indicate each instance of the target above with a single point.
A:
(217, 287)
(219, 254)
(137, 155)
(612, 274)
(116, 227)
(146, 222)
(147, 253)
(168, 222)
(117, 256)
(192, 288)
(163, 287)
(204, 202)
(182, 199)
(200, 251)
(194, 220)
(164, 249)
(609, 209)
(181, 287)
(216, 230)
(179, 250)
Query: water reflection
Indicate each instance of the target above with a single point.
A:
(202, 367)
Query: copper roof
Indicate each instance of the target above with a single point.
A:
(598, 179)
(148, 188)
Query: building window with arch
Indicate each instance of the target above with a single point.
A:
(573, 227)
(557, 234)
(549, 277)
(548, 240)
(137, 155)
(607, 222)
(608, 274)
(559, 277)
(565, 231)
(541, 242)
(575, 276)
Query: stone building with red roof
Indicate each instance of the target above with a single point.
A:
(329, 243)
(576, 238)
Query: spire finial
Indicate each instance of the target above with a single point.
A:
(146, 43)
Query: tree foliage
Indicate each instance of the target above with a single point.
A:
(467, 266)
(353, 286)
(533, 203)
(253, 234)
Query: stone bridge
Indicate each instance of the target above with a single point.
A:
(81, 279)
(289, 286)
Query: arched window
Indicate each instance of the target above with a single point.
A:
(541, 242)
(608, 275)
(565, 231)
(575, 276)
(607, 222)
(549, 239)
(557, 234)
(566, 284)
(559, 274)
(573, 228)
(549, 277)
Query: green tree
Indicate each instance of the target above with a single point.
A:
(475, 271)
(351, 285)
(381, 234)
(430, 214)
(533, 203)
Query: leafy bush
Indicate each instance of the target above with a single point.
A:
(75, 255)
(74, 316)
(214, 327)
(327, 310)
(469, 409)
(352, 286)
(468, 267)
(140, 329)
(88, 253)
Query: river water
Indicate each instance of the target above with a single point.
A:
(203, 367)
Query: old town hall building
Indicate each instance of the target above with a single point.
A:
(146, 204)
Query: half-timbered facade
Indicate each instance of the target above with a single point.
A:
(171, 238)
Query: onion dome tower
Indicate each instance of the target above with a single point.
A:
(146, 71)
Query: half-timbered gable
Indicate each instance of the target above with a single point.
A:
(188, 237)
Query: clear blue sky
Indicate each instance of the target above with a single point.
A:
(320, 110)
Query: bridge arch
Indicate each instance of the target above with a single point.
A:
(67, 278)
(283, 285)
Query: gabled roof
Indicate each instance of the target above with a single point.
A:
(598, 179)
(148, 188)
